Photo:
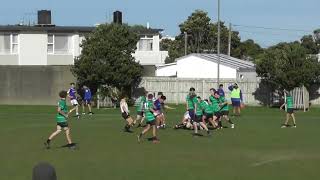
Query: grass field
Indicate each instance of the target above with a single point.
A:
(256, 149)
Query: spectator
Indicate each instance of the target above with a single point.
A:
(236, 98)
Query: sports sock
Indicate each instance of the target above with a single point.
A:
(48, 141)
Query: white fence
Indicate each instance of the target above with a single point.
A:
(176, 89)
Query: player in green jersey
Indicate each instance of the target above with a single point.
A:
(150, 119)
(191, 100)
(215, 107)
(288, 104)
(200, 105)
(208, 114)
(61, 119)
(224, 109)
(140, 109)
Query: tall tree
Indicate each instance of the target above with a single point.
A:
(202, 37)
(107, 59)
(287, 65)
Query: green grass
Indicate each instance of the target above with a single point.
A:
(256, 149)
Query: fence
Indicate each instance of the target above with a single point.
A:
(176, 89)
(253, 92)
(300, 98)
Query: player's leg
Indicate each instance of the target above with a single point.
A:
(129, 124)
(83, 108)
(227, 118)
(286, 123)
(89, 107)
(53, 135)
(68, 135)
(195, 128)
(144, 131)
(163, 123)
(154, 134)
(294, 120)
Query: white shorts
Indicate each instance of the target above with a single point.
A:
(187, 116)
(74, 102)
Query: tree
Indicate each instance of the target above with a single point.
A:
(107, 59)
(175, 49)
(309, 43)
(287, 65)
(202, 37)
(248, 50)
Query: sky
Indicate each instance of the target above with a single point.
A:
(283, 20)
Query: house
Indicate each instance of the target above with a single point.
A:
(47, 44)
(205, 66)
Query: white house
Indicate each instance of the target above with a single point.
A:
(205, 66)
(47, 44)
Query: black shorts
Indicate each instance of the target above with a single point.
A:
(208, 115)
(198, 119)
(125, 115)
(224, 113)
(290, 111)
(152, 123)
(140, 113)
(63, 124)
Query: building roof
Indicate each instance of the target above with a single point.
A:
(224, 60)
(63, 29)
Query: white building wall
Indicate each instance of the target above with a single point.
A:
(170, 70)
(194, 67)
(33, 49)
(154, 57)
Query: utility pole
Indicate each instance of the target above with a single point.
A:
(229, 40)
(185, 43)
(218, 77)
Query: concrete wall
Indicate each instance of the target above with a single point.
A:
(9, 59)
(33, 85)
(60, 60)
(33, 49)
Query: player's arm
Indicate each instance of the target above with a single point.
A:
(281, 107)
(187, 105)
(168, 107)
(62, 112)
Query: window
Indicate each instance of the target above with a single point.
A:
(145, 44)
(58, 44)
(9, 43)
(14, 43)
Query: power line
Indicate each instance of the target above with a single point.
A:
(273, 28)
(268, 33)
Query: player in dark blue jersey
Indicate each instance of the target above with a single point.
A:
(87, 97)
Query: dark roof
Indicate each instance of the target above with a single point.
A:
(225, 60)
(64, 29)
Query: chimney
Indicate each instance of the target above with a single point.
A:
(44, 17)
(117, 17)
